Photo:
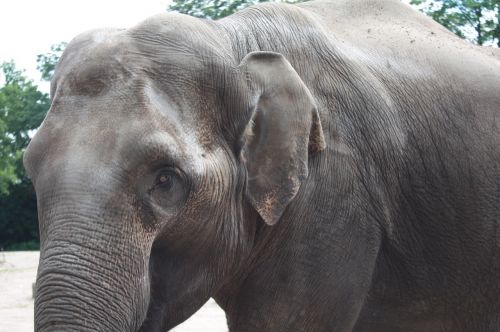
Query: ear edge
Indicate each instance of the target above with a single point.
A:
(271, 205)
(317, 141)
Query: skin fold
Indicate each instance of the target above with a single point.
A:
(328, 166)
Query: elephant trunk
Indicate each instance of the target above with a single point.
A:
(91, 277)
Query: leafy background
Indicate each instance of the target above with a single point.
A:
(23, 106)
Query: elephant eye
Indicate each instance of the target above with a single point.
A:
(169, 188)
(164, 180)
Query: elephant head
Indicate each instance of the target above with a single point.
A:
(160, 157)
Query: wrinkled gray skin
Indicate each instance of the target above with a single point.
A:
(349, 184)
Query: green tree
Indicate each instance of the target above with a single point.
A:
(18, 218)
(47, 62)
(475, 20)
(22, 109)
(213, 9)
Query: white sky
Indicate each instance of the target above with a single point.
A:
(30, 27)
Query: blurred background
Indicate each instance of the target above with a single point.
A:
(34, 33)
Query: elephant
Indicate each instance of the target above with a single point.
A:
(323, 166)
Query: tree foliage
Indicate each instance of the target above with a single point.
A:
(18, 217)
(475, 20)
(213, 9)
(47, 62)
(22, 109)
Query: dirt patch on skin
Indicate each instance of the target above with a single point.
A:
(18, 273)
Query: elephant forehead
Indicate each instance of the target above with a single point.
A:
(107, 130)
(94, 78)
(93, 63)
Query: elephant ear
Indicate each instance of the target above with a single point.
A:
(284, 128)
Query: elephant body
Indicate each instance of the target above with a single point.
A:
(327, 166)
